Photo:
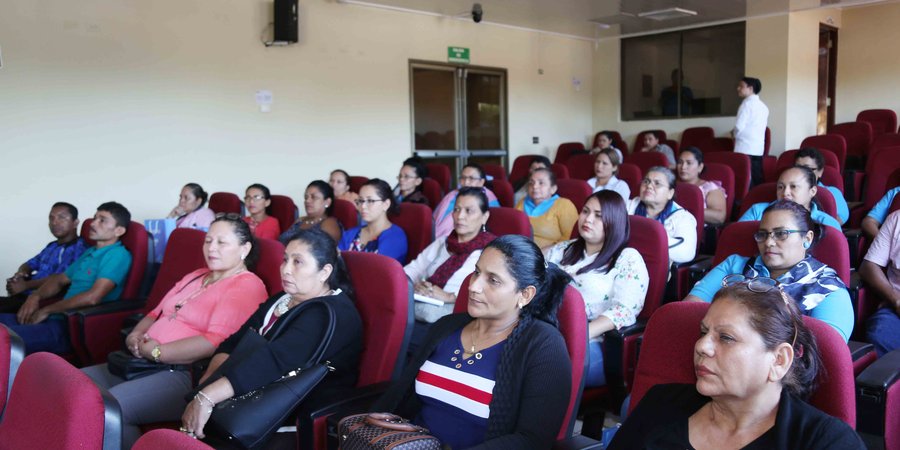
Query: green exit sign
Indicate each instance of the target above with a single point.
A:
(458, 55)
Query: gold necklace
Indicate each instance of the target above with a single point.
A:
(476, 355)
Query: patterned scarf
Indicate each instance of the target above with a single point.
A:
(533, 210)
(808, 282)
(459, 253)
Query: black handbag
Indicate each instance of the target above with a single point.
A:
(129, 367)
(248, 420)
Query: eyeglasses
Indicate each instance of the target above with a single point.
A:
(406, 177)
(228, 216)
(253, 198)
(760, 285)
(469, 178)
(655, 183)
(367, 201)
(779, 235)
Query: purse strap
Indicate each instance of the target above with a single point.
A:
(317, 355)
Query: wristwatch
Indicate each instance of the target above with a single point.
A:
(155, 353)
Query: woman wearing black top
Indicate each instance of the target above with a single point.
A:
(312, 271)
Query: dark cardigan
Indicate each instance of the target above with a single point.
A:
(294, 347)
(660, 421)
(538, 391)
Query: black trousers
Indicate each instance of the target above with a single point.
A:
(756, 170)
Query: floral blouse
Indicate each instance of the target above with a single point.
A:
(618, 294)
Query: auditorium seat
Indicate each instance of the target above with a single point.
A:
(690, 197)
(832, 142)
(565, 150)
(560, 171)
(520, 168)
(577, 191)
(163, 438)
(346, 214)
(673, 144)
(632, 175)
(441, 173)
(581, 167)
(356, 182)
(503, 221)
(786, 159)
(647, 160)
(226, 202)
(268, 267)
(717, 145)
(12, 351)
(859, 137)
(504, 192)
(696, 136)
(496, 171)
(639, 139)
(416, 221)
(740, 165)
(882, 120)
(432, 191)
(284, 210)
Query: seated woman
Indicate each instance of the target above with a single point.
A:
(440, 269)
(657, 202)
(318, 201)
(257, 199)
(606, 142)
(611, 277)
(786, 233)
(520, 187)
(812, 159)
(409, 182)
(378, 235)
(190, 212)
(756, 362)
(797, 184)
(606, 167)
(506, 348)
(472, 176)
(651, 144)
(312, 272)
(552, 217)
(690, 166)
(340, 182)
(194, 317)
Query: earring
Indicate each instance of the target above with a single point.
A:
(483, 228)
(520, 306)
(806, 244)
(243, 257)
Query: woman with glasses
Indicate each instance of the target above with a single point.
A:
(378, 235)
(318, 201)
(339, 180)
(786, 233)
(690, 166)
(657, 202)
(190, 212)
(409, 182)
(606, 167)
(552, 217)
(756, 363)
(257, 199)
(195, 316)
(611, 277)
(472, 176)
(797, 184)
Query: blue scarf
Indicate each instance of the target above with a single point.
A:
(641, 210)
(533, 210)
(808, 282)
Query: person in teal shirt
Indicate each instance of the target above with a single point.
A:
(797, 184)
(872, 222)
(96, 276)
(786, 233)
(812, 159)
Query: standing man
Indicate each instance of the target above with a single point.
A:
(54, 258)
(750, 127)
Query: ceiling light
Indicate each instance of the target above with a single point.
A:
(667, 14)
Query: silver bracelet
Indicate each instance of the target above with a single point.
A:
(202, 396)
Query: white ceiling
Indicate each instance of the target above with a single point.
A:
(580, 18)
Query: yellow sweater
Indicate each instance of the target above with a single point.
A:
(555, 225)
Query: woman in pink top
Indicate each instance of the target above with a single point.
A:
(191, 212)
(690, 166)
(195, 316)
(257, 199)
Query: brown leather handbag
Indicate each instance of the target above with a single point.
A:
(384, 431)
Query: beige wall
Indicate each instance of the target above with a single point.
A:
(128, 100)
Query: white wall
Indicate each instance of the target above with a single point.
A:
(128, 99)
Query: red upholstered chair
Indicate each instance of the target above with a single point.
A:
(283, 209)
(560, 170)
(356, 182)
(646, 160)
(881, 120)
(496, 171)
(858, 136)
(268, 268)
(415, 220)
(520, 168)
(346, 213)
(639, 139)
(768, 166)
(696, 136)
(882, 164)
(49, 390)
(12, 351)
(690, 197)
(832, 177)
(384, 299)
(440, 173)
(716, 145)
(673, 144)
(573, 327)
(767, 145)
(226, 202)
(581, 167)
(136, 240)
(504, 192)
(723, 174)
(668, 349)
(566, 149)
(631, 174)
(740, 165)
(617, 140)
(432, 192)
(163, 438)
(505, 221)
(878, 400)
(884, 140)
(832, 142)
(575, 190)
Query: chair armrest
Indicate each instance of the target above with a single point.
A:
(872, 387)
(631, 330)
(577, 442)
(882, 374)
(859, 349)
(108, 308)
(854, 237)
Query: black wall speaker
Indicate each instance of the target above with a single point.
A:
(285, 21)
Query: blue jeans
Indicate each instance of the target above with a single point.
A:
(595, 375)
(51, 335)
(883, 330)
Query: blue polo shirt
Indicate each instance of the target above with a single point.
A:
(879, 212)
(756, 212)
(835, 310)
(843, 211)
(55, 258)
(111, 262)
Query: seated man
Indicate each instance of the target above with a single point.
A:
(652, 144)
(812, 159)
(472, 175)
(54, 258)
(96, 276)
(872, 222)
(883, 328)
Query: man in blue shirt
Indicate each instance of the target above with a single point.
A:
(812, 159)
(97, 276)
(872, 222)
(56, 257)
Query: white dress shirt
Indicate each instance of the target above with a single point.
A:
(750, 126)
